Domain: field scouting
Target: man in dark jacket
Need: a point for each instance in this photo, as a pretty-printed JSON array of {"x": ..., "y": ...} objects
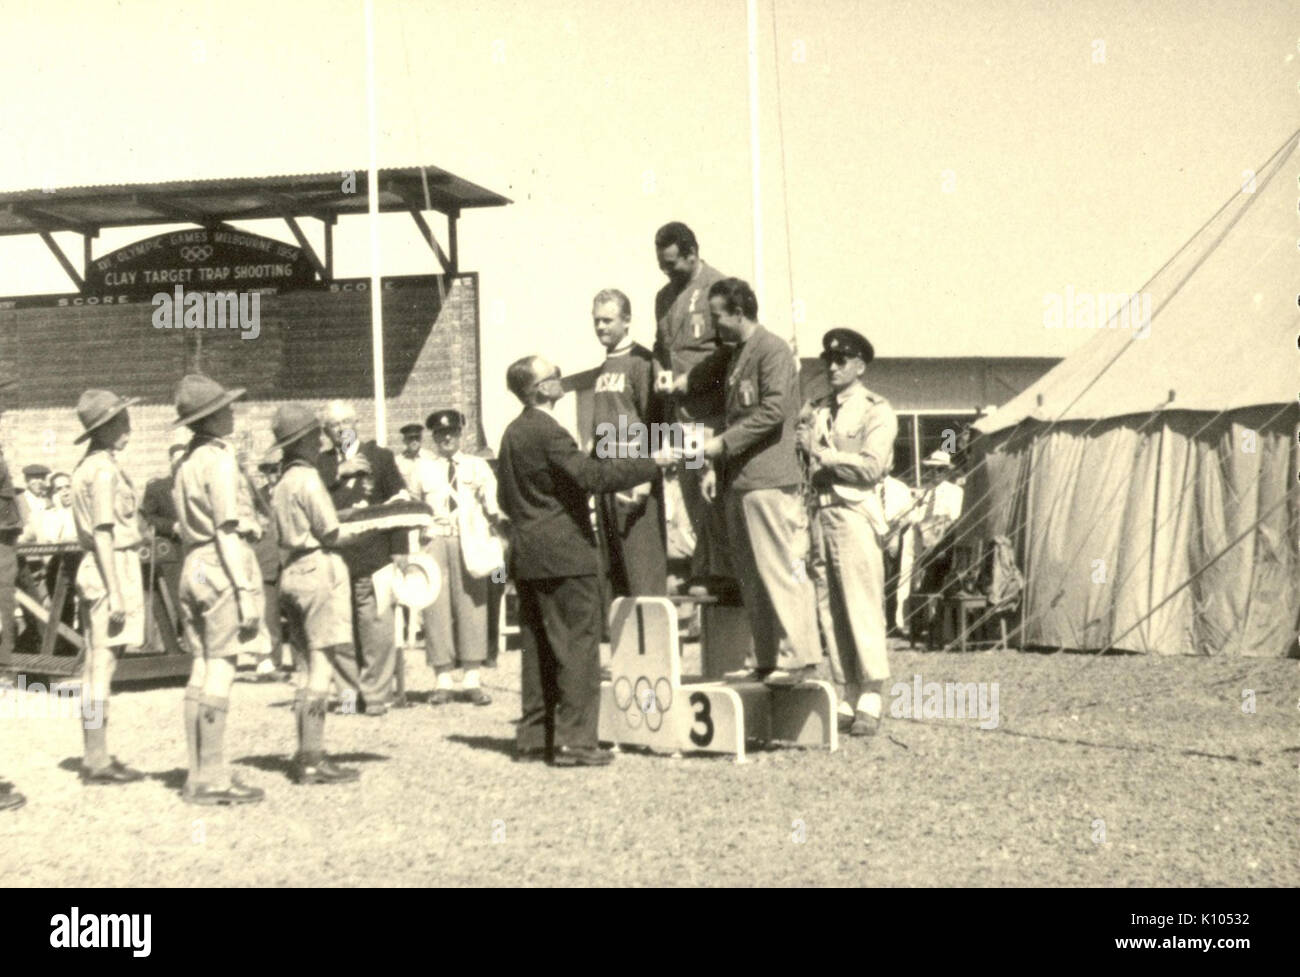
[
  {"x": 361, "y": 473},
  {"x": 544, "y": 485}
]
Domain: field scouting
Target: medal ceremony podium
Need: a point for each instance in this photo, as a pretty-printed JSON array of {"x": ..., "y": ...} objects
[{"x": 647, "y": 702}]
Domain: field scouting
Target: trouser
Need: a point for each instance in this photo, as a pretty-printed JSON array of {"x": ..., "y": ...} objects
[
  {"x": 712, "y": 556},
  {"x": 455, "y": 624},
  {"x": 559, "y": 620},
  {"x": 768, "y": 532},
  {"x": 369, "y": 671},
  {"x": 271, "y": 596},
  {"x": 632, "y": 544},
  {"x": 855, "y": 588},
  {"x": 8, "y": 581}
]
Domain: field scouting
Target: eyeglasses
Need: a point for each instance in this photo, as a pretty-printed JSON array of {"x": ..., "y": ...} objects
[{"x": 553, "y": 375}]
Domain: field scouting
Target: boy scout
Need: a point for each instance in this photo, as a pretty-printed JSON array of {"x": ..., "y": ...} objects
[
  {"x": 109, "y": 584},
  {"x": 314, "y": 591},
  {"x": 848, "y": 437},
  {"x": 221, "y": 586},
  {"x": 767, "y": 525}
]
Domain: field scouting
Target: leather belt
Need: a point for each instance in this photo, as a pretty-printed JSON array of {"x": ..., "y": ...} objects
[{"x": 299, "y": 554}]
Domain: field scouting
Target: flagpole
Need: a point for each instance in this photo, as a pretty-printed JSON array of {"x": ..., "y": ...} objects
[
  {"x": 372, "y": 194},
  {"x": 756, "y": 185}
]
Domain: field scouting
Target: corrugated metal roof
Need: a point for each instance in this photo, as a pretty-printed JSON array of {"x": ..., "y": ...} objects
[{"x": 323, "y": 195}]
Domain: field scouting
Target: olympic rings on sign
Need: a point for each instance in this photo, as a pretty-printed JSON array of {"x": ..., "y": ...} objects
[{"x": 196, "y": 252}]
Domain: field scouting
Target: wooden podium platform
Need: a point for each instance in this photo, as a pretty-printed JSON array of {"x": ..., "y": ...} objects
[{"x": 59, "y": 653}]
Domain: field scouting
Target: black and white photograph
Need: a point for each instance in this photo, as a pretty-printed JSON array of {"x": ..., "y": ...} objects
[{"x": 582, "y": 444}]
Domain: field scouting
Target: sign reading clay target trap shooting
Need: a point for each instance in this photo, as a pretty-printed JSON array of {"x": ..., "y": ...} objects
[
  {"x": 200, "y": 260},
  {"x": 646, "y": 703}
]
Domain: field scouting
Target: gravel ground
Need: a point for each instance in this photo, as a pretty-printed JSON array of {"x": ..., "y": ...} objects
[{"x": 1121, "y": 771}]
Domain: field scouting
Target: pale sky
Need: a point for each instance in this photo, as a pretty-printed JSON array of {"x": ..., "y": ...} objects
[{"x": 604, "y": 120}]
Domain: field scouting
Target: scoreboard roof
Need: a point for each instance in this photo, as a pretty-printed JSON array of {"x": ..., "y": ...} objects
[{"x": 86, "y": 210}]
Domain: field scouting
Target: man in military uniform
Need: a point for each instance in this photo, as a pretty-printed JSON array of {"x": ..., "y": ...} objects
[
  {"x": 110, "y": 587},
  {"x": 757, "y": 473},
  {"x": 462, "y": 492},
  {"x": 624, "y": 406},
  {"x": 848, "y": 439},
  {"x": 684, "y": 337}
]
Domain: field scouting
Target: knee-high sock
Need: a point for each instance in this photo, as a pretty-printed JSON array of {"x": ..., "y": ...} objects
[
  {"x": 95, "y": 730},
  {"x": 192, "y": 696},
  {"x": 311, "y": 743},
  {"x": 212, "y": 735}
]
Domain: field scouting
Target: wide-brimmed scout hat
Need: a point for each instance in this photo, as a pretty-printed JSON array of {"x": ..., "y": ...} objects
[
  {"x": 95, "y": 408},
  {"x": 292, "y": 422},
  {"x": 198, "y": 396}
]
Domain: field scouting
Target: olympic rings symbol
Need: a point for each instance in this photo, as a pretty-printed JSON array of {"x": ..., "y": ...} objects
[
  {"x": 196, "y": 252},
  {"x": 643, "y": 701}
]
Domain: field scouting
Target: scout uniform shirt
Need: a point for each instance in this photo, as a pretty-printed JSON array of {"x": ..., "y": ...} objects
[
  {"x": 761, "y": 390},
  {"x": 102, "y": 495},
  {"x": 207, "y": 495},
  {"x": 206, "y": 491},
  {"x": 304, "y": 514},
  {"x": 855, "y": 430}
]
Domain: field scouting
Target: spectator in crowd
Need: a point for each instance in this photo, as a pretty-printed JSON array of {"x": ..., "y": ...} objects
[{"x": 412, "y": 451}]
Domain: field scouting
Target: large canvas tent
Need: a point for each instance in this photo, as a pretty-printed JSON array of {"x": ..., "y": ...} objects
[{"x": 1148, "y": 483}]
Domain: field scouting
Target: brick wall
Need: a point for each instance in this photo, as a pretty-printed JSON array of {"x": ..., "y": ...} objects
[{"x": 314, "y": 345}]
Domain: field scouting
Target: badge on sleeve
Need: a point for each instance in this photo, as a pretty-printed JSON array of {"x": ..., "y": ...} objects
[{"x": 747, "y": 394}]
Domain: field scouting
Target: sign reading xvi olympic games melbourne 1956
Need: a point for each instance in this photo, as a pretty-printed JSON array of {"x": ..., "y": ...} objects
[{"x": 200, "y": 260}]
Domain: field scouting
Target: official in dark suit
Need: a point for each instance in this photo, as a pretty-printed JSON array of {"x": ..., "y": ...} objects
[
  {"x": 360, "y": 473},
  {"x": 544, "y": 484}
]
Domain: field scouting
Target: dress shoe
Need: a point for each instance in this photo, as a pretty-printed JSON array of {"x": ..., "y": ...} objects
[
  {"x": 791, "y": 676},
  {"x": 581, "y": 756},
  {"x": 323, "y": 772},
  {"x": 748, "y": 675},
  {"x": 11, "y": 800},
  {"x": 236, "y": 793},
  {"x": 114, "y": 772},
  {"x": 477, "y": 697},
  {"x": 864, "y": 725},
  {"x": 536, "y": 755},
  {"x": 440, "y": 697}
]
